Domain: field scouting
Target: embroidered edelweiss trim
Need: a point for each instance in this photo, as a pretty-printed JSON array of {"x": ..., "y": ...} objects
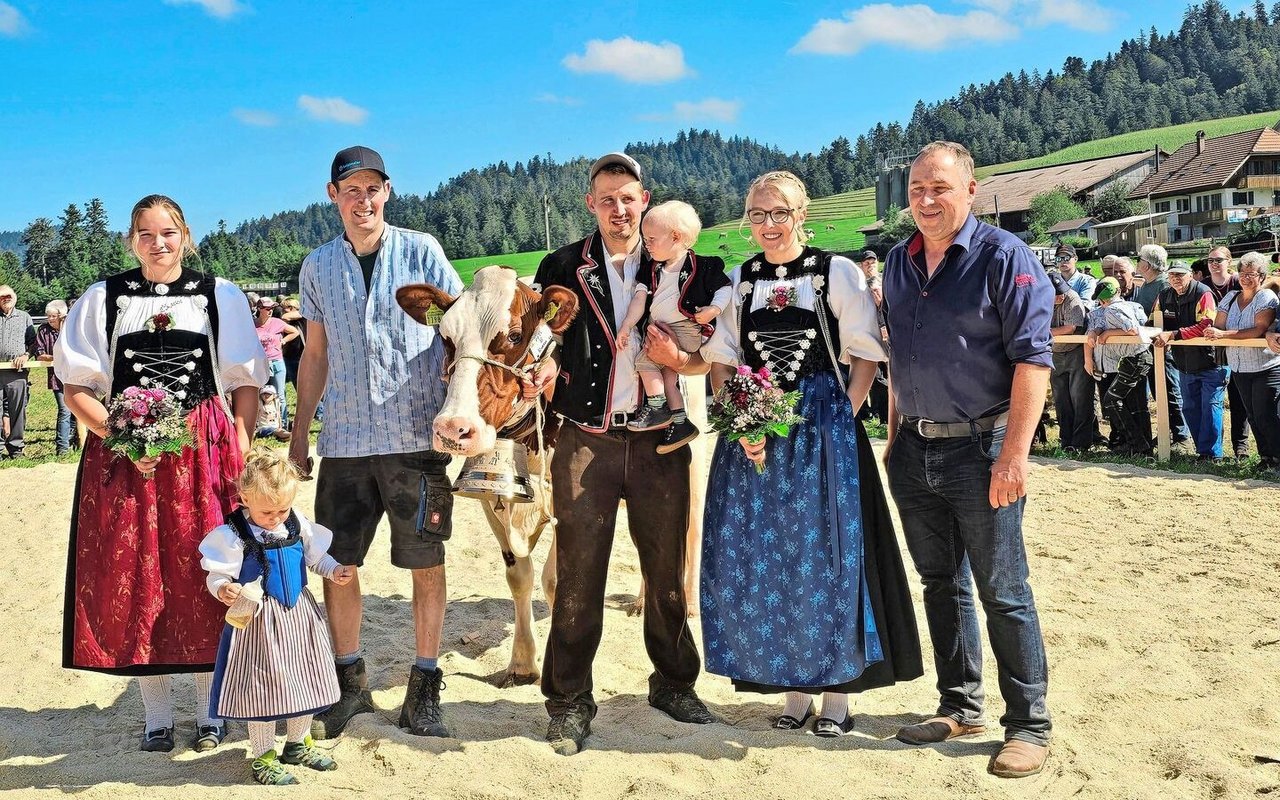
[
  {"x": 189, "y": 285},
  {"x": 133, "y": 285}
]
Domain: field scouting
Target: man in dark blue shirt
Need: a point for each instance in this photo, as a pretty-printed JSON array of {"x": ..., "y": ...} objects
[{"x": 968, "y": 309}]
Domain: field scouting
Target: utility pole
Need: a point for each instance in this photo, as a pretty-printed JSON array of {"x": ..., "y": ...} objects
[{"x": 546, "y": 217}]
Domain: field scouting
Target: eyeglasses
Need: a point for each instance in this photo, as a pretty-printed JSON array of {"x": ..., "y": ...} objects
[
  {"x": 778, "y": 215},
  {"x": 1216, "y": 260},
  {"x": 7, "y": 297},
  {"x": 1254, "y": 275}
]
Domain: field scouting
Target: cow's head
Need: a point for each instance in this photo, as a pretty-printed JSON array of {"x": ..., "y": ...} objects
[{"x": 499, "y": 319}]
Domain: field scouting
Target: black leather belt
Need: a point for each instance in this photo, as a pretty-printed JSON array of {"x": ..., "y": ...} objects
[{"x": 928, "y": 429}]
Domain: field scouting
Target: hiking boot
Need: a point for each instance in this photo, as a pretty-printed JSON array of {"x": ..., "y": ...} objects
[
  {"x": 649, "y": 418},
  {"x": 268, "y": 771},
  {"x": 680, "y": 704},
  {"x": 677, "y": 435},
  {"x": 421, "y": 714},
  {"x": 353, "y": 681},
  {"x": 306, "y": 754},
  {"x": 568, "y": 729}
]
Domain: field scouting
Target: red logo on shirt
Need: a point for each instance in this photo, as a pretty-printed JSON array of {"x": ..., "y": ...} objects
[{"x": 1023, "y": 279}]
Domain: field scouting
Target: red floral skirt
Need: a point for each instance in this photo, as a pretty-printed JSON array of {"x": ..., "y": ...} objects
[{"x": 136, "y": 602}]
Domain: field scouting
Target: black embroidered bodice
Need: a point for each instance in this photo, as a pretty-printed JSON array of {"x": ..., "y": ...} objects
[
  {"x": 780, "y": 335},
  {"x": 179, "y": 361}
]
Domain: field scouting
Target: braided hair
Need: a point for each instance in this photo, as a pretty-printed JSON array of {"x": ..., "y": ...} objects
[{"x": 268, "y": 474}]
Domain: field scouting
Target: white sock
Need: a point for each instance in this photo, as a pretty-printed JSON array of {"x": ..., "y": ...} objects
[
  {"x": 835, "y": 706},
  {"x": 157, "y": 700},
  {"x": 204, "y": 683},
  {"x": 797, "y": 704},
  {"x": 262, "y": 737},
  {"x": 297, "y": 728}
]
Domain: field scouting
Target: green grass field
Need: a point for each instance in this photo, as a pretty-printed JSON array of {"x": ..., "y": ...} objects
[
  {"x": 524, "y": 263},
  {"x": 1170, "y": 138}
]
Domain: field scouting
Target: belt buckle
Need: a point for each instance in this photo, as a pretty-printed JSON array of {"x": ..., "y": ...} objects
[
  {"x": 618, "y": 419},
  {"x": 920, "y": 423}
]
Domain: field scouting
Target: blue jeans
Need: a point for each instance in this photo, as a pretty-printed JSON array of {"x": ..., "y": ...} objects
[
  {"x": 1204, "y": 394},
  {"x": 1073, "y": 399},
  {"x": 957, "y": 539},
  {"x": 1178, "y": 431},
  {"x": 62, "y": 440},
  {"x": 275, "y": 374}
]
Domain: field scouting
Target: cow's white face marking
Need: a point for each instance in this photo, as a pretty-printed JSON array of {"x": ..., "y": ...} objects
[{"x": 480, "y": 313}]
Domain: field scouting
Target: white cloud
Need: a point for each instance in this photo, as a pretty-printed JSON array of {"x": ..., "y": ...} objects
[
  {"x": 998, "y": 6},
  {"x": 255, "y": 117},
  {"x": 222, "y": 9},
  {"x": 915, "y": 27},
  {"x": 1083, "y": 15},
  {"x": 632, "y": 61},
  {"x": 12, "y": 23},
  {"x": 332, "y": 109},
  {"x": 711, "y": 109},
  {"x": 557, "y": 100}
]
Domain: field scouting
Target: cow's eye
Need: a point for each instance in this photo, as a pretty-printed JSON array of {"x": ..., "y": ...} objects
[{"x": 514, "y": 337}]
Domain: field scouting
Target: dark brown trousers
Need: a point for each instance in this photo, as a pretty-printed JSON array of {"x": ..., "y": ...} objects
[{"x": 590, "y": 475}]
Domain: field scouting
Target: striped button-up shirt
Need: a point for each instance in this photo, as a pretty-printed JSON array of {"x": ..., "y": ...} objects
[{"x": 384, "y": 386}]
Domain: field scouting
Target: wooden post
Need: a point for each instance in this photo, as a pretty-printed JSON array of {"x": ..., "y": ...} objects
[{"x": 1162, "y": 405}]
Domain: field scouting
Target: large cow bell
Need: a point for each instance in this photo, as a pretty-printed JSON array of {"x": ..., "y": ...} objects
[{"x": 500, "y": 474}]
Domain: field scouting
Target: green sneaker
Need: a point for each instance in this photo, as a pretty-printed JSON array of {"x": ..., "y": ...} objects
[
  {"x": 308, "y": 755},
  {"x": 268, "y": 771}
]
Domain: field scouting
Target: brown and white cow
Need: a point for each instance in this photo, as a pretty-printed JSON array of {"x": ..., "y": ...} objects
[{"x": 498, "y": 320}]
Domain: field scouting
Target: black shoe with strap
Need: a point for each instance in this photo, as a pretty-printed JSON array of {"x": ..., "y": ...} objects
[
  {"x": 681, "y": 704},
  {"x": 209, "y": 737},
  {"x": 569, "y": 729},
  {"x": 159, "y": 740},
  {"x": 421, "y": 714},
  {"x": 353, "y": 682}
]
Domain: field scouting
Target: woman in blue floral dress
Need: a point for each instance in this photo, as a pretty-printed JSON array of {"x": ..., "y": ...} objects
[{"x": 803, "y": 588}]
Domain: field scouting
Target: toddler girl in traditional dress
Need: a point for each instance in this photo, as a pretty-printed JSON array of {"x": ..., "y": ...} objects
[{"x": 280, "y": 664}]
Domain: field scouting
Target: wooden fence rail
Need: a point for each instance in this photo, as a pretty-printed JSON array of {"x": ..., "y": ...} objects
[{"x": 1163, "y": 436}]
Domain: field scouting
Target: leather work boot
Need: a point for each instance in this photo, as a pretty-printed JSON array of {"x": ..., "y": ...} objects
[
  {"x": 353, "y": 681},
  {"x": 1018, "y": 759},
  {"x": 421, "y": 714},
  {"x": 681, "y": 704}
]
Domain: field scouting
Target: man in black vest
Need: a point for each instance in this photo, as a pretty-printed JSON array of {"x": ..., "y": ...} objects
[{"x": 598, "y": 462}]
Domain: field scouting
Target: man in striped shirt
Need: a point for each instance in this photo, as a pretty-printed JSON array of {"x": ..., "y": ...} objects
[{"x": 379, "y": 372}]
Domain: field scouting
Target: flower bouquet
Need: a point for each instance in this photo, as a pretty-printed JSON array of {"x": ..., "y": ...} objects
[
  {"x": 749, "y": 405},
  {"x": 146, "y": 423}
]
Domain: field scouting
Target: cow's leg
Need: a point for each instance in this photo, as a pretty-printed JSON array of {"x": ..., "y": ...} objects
[
  {"x": 523, "y": 667},
  {"x": 696, "y": 404}
]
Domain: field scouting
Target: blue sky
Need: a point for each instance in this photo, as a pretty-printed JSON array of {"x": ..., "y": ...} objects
[{"x": 236, "y": 107}]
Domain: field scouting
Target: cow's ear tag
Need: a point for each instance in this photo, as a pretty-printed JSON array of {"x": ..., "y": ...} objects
[
  {"x": 552, "y": 310},
  {"x": 432, "y": 315}
]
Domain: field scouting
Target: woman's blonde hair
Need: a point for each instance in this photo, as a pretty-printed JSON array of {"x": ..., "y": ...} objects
[
  {"x": 175, "y": 211},
  {"x": 269, "y": 475},
  {"x": 792, "y": 191},
  {"x": 678, "y": 215}
]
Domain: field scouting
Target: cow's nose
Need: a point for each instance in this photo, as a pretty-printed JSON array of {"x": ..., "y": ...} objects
[{"x": 455, "y": 429}]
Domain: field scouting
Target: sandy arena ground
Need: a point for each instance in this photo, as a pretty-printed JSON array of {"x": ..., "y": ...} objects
[{"x": 1157, "y": 593}]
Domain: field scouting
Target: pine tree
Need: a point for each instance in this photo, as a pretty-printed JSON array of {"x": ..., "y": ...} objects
[{"x": 39, "y": 239}]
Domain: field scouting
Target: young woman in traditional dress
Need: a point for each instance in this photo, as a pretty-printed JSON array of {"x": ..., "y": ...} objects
[
  {"x": 803, "y": 588},
  {"x": 135, "y": 598}
]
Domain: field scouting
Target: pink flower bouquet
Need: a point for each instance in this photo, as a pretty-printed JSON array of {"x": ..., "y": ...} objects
[
  {"x": 146, "y": 423},
  {"x": 749, "y": 405}
]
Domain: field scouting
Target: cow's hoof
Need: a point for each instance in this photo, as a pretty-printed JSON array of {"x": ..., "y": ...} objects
[{"x": 513, "y": 679}]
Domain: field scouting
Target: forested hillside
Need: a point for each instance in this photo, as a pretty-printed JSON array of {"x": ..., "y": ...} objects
[{"x": 1214, "y": 65}]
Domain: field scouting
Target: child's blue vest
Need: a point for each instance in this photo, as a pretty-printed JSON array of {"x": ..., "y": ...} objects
[{"x": 287, "y": 573}]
